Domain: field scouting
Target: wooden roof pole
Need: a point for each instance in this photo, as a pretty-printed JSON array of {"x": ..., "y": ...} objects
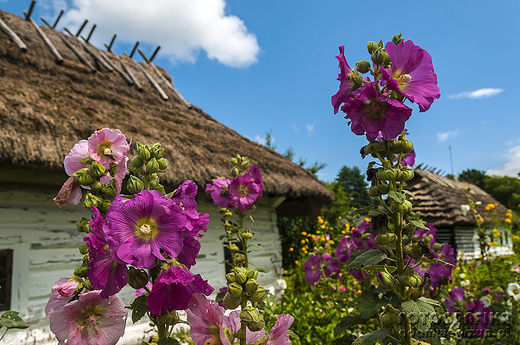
[
  {"x": 14, "y": 37},
  {"x": 46, "y": 40}
]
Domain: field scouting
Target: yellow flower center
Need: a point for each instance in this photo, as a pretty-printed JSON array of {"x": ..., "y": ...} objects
[
  {"x": 88, "y": 320},
  {"x": 243, "y": 190},
  {"x": 374, "y": 109},
  {"x": 146, "y": 228},
  {"x": 404, "y": 78}
]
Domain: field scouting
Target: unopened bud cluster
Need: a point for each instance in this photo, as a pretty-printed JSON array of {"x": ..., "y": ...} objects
[
  {"x": 148, "y": 162},
  {"x": 240, "y": 164}
]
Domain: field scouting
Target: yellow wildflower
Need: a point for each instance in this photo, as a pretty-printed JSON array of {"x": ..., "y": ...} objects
[
  {"x": 480, "y": 255},
  {"x": 458, "y": 268},
  {"x": 304, "y": 233},
  {"x": 359, "y": 292},
  {"x": 331, "y": 242},
  {"x": 340, "y": 218},
  {"x": 343, "y": 232},
  {"x": 320, "y": 220},
  {"x": 318, "y": 231},
  {"x": 291, "y": 249},
  {"x": 296, "y": 262},
  {"x": 302, "y": 241},
  {"x": 285, "y": 272},
  {"x": 499, "y": 234},
  {"x": 507, "y": 220},
  {"x": 347, "y": 226},
  {"x": 367, "y": 220},
  {"x": 516, "y": 238},
  {"x": 495, "y": 230}
]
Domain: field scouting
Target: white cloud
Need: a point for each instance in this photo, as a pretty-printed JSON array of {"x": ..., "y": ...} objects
[
  {"x": 182, "y": 28},
  {"x": 480, "y": 93},
  {"x": 511, "y": 167},
  {"x": 446, "y": 135},
  {"x": 295, "y": 128},
  {"x": 261, "y": 140},
  {"x": 310, "y": 128}
]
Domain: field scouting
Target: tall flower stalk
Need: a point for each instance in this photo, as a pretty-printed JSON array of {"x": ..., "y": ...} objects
[{"x": 375, "y": 107}]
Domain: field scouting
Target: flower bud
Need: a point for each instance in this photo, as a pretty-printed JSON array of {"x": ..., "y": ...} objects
[
  {"x": 256, "y": 326},
  {"x": 356, "y": 78},
  {"x": 83, "y": 225},
  {"x": 81, "y": 271},
  {"x": 231, "y": 278},
  {"x": 373, "y": 191},
  {"x": 235, "y": 172},
  {"x": 437, "y": 246},
  {"x": 410, "y": 280},
  {"x": 163, "y": 163},
  {"x": 389, "y": 317},
  {"x": 382, "y": 239},
  {"x": 234, "y": 161},
  {"x": 87, "y": 285},
  {"x": 372, "y": 47},
  {"x": 251, "y": 285},
  {"x": 91, "y": 200},
  {"x": 231, "y": 302},
  {"x": 137, "y": 278},
  {"x": 413, "y": 250},
  {"x": 416, "y": 292},
  {"x": 247, "y": 235},
  {"x": 378, "y": 57},
  {"x": 96, "y": 186},
  {"x": 83, "y": 249},
  {"x": 97, "y": 169},
  {"x": 108, "y": 190},
  {"x": 168, "y": 318},
  {"x": 241, "y": 277},
  {"x": 383, "y": 188},
  {"x": 145, "y": 154},
  {"x": 158, "y": 154},
  {"x": 134, "y": 184},
  {"x": 105, "y": 204},
  {"x": 387, "y": 281},
  {"x": 363, "y": 66},
  {"x": 84, "y": 177},
  {"x": 259, "y": 295},
  {"x": 250, "y": 315},
  {"x": 397, "y": 38},
  {"x": 235, "y": 289},
  {"x": 252, "y": 274},
  {"x": 137, "y": 162},
  {"x": 152, "y": 166}
]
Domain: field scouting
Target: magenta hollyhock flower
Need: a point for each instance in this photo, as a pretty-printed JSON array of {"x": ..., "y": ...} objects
[
  {"x": 346, "y": 85},
  {"x": 312, "y": 269},
  {"x": 70, "y": 193},
  {"x": 371, "y": 112},
  {"x": 219, "y": 192},
  {"x": 280, "y": 332},
  {"x": 142, "y": 227},
  {"x": 108, "y": 146},
  {"x": 142, "y": 291},
  {"x": 331, "y": 265},
  {"x": 422, "y": 233},
  {"x": 245, "y": 190},
  {"x": 61, "y": 293},
  {"x": 479, "y": 316},
  {"x": 90, "y": 320},
  {"x": 456, "y": 295},
  {"x": 344, "y": 250},
  {"x": 173, "y": 290},
  {"x": 412, "y": 73},
  {"x": 206, "y": 317},
  {"x": 409, "y": 159},
  {"x": 437, "y": 272}
]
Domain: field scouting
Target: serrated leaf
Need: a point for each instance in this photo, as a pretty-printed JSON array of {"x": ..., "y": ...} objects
[
  {"x": 372, "y": 337},
  {"x": 11, "y": 320},
  {"x": 396, "y": 196},
  {"x": 375, "y": 269},
  {"x": 371, "y": 300},
  {"x": 436, "y": 261},
  {"x": 420, "y": 312},
  {"x": 408, "y": 194},
  {"x": 139, "y": 308},
  {"x": 370, "y": 257},
  {"x": 419, "y": 224}
]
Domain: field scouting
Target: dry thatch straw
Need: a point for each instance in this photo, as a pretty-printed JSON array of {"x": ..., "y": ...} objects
[{"x": 45, "y": 108}]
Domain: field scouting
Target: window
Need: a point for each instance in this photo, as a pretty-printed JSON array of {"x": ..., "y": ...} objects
[
  {"x": 227, "y": 256},
  {"x": 6, "y": 270}
]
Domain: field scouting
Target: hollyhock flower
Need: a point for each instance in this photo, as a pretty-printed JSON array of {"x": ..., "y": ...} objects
[
  {"x": 437, "y": 272},
  {"x": 70, "y": 193},
  {"x": 72, "y": 161},
  {"x": 173, "y": 290},
  {"x": 61, "y": 293},
  {"x": 344, "y": 249},
  {"x": 409, "y": 159},
  {"x": 479, "y": 316},
  {"x": 108, "y": 146},
  {"x": 142, "y": 291},
  {"x": 346, "y": 84},
  {"x": 513, "y": 289},
  {"x": 312, "y": 269},
  {"x": 280, "y": 332},
  {"x": 219, "y": 192},
  {"x": 456, "y": 295},
  {"x": 516, "y": 268},
  {"x": 371, "y": 112},
  {"x": 245, "y": 190},
  {"x": 412, "y": 73},
  {"x": 144, "y": 226},
  {"x": 90, "y": 320},
  {"x": 421, "y": 234},
  {"x": 331, "y": 265}
]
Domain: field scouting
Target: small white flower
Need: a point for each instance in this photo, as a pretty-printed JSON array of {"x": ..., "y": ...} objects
[
  {"x": 487, "y": 300},
  {"x": 476, "y": 237},
  {"x": 380, "y": 296},
  {"x": 282, "y": 284},
  {"x": 513, "y": 289},
  {"x": 464, "y": 283},
  {"x": 478, "y": 203},
  {"x": 465, "y": 209},
  {"x": 462, "y": 276}
]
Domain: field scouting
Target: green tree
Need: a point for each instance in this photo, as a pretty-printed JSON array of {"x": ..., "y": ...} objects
[
  {"x": 505, "y": 189},
  {"x": 474, "y": 176}
]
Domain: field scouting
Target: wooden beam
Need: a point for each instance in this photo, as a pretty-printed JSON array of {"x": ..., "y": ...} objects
[
  {"x": 28, "y": 14},
  {"x": 131, "y": 74},
  {"x": 117, "y": 69},
  {"x": 14, "y": 37},
  {"x": 81, "y": 27},
  {"x": 109, "y": 47},
  {"x": 46, "y": 40},
  {"x": 90, "y": 33},
  {"x": 88, "y": 49},
  {"x": 57, "y": 19},
  {"x": 155, "y": 53},
  {"x": 133, "y": 50},
  {"x": 164, "y": 96},
  {"x": 77, "y": 53}
]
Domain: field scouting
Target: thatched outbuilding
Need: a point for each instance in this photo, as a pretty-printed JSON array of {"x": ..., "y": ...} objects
[
  {"x": 439, "y": 200},
  {"x": 46, "y": 107}
]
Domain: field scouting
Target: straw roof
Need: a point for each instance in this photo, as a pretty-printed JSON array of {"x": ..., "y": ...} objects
[
  {"x": 439, "y": 199},
  {"x": 45, "y": 108}
]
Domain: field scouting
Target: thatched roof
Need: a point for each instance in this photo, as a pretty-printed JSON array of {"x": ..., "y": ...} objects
[
  {"x": 439, "y": 199},
  {"x": 45, "y": 108}
]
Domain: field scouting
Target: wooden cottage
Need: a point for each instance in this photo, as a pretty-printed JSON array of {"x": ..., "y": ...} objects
[
  {"x": 46, "y": 107},
  {"x": 439, "y": 200}
]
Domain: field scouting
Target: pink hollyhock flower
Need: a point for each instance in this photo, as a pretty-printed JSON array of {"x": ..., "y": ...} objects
[
  {"x": 346, "y": 85},
  {"x": 173, "y": 290},
  {"x": 70, "y": 193},
  {"x": 312, "y": 268},
  {"x": 371, "y": 112},
  {"x": 280, "y": 332},
  {"x": 409, "y": 159},
  {"x": 62, "y": 292},
  {"x": 72, "y": 162},
  {"x": 142, "y": 227},
  {"x": 245, "y": 190},
  {"x": 412, "y": 73},
  {"x": 219, "y": 192},
  {"x": 90, "y": 320},
  {"x": 108, "y": 146}
]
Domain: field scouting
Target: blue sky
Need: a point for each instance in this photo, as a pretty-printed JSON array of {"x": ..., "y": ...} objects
[{"x": 259, "y": 66}]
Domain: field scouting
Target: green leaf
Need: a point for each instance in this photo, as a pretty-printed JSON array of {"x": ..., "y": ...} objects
[
  {"x": 372, "y": 337},
  {"x": 364, "y": 209},
  {"x": 436, "y": 261},
  {"x": 375, "y": 269},
  {"x": 420, "y": 312},
  {"x": 168, "y": 341},
  {"x": 370, "y": 257},
  {"x": 419, "y": 224},
  {"x": 396, "y": 196},
  {"x": 408, "y": 194},
  {"x": 11, "y": 319},
  {"x": 348, "y": 322},
  {"x": 139, "y": 308},
  {"x": 261, "y": 269},
  {"x": 371, "y": 300}
]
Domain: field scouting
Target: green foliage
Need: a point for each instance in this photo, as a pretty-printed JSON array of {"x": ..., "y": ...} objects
[
  {"x": 473, "y": 176},
  {"x": 11, "y": 320},
  {"x": 291, "y": 235}
]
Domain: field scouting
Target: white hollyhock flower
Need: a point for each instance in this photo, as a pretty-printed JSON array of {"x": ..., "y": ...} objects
[{"x": 513, "y": 289}]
